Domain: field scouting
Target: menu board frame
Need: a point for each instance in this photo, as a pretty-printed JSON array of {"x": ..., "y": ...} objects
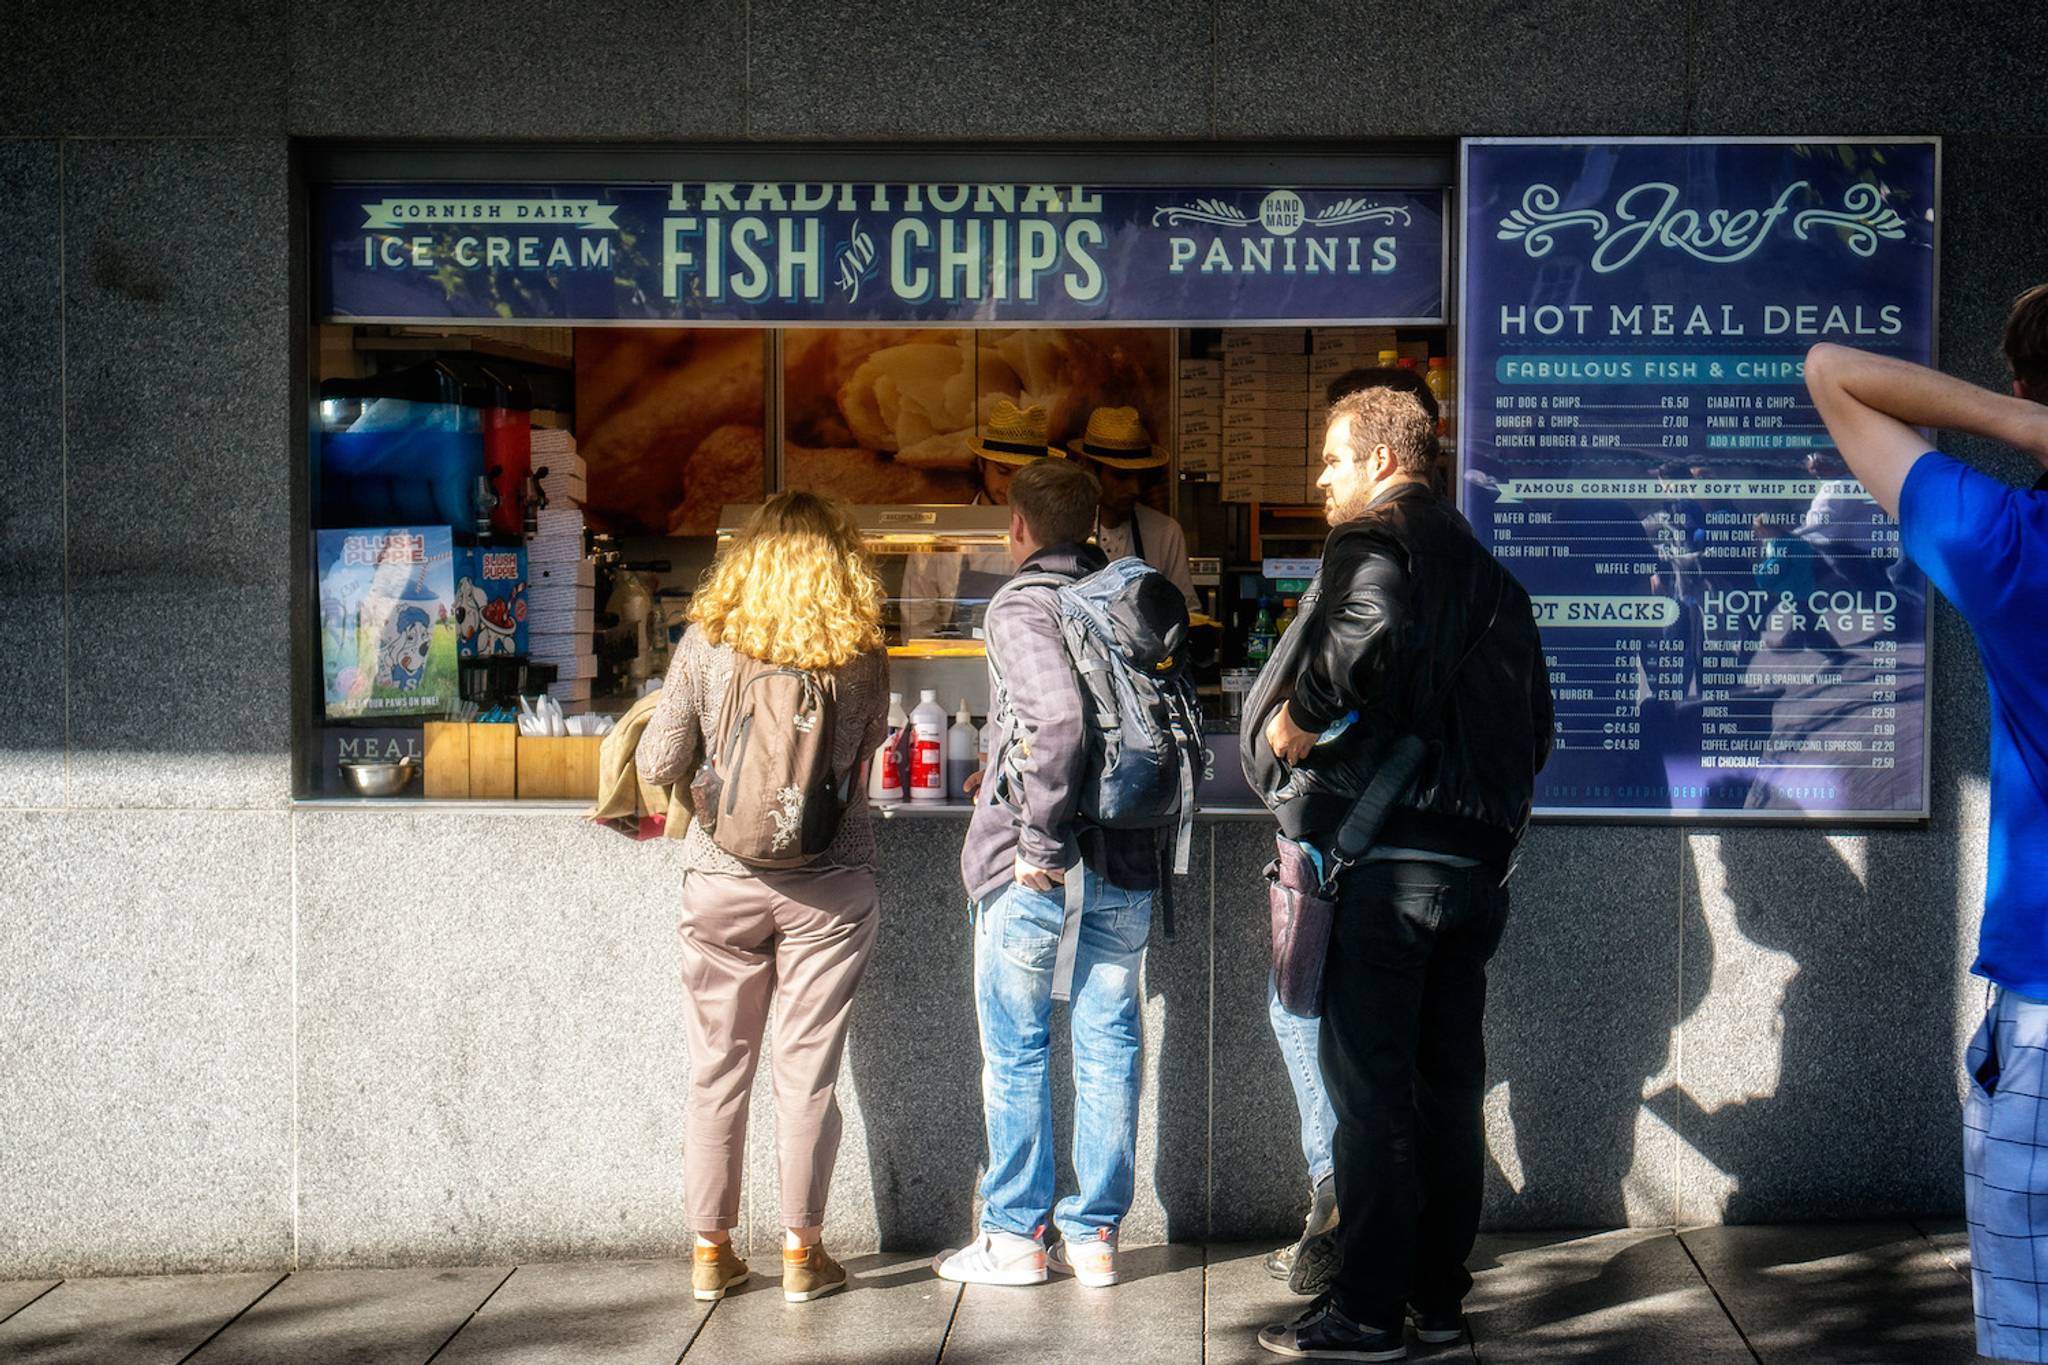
[{"x": 1467, "y": 332}]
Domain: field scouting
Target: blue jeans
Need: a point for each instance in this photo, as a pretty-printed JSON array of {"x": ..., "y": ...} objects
[
  {"x": 1300, "y": 1039},
  {"x": 1016, "y": 943}
]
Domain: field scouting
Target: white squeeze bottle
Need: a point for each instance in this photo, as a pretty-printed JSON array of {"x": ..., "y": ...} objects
[
  {"x": 885, "y": 771},
  {"x": 961, "y": 742},
  {"x": 928, "y": 748}
]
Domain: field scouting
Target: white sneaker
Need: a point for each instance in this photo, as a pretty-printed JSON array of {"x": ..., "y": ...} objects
[
  {"x": 994, "y": 1258},
  {"x": 1092, "y": 1262}
]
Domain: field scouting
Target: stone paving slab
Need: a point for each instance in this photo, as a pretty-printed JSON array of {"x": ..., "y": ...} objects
[
  {"x": 1629, "y": 1296},
  {"x": 1862, "y": 1292},
  {"x": 894, "y": 1311},
  {"x": 356, "y": 1317},
  {"x": 1153, "y": 1315},
  {"x": 153, "y": 1320},
  {"x": 18, "y": 1294},
  {"x": 584, "y": 1313}
]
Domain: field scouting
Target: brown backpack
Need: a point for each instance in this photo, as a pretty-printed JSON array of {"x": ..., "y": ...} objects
[{"x": 766, "y": 792}]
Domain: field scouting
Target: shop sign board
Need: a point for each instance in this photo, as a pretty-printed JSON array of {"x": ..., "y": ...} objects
[
  {"x": 1730, "y": 628},
  {"x": 864, "y": 254}
]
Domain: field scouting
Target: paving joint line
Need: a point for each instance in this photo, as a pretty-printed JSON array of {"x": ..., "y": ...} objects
[
  {"x": 946, "y": 1337},
  {"x": 1726, "y": 1312},
  {"x": 292, "y": 856},
  {"x": 1928, "y": 1237},
  {"x": 64, "y": 467},
  {"x": 461, "y": 1326},
  {"x": 47, "y": 1289},
  {"x": 215, "y": 1333},
  {"x": 702, "y": 1322}
]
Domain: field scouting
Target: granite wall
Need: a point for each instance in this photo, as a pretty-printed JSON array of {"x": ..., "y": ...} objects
[{"x": 234, "y": 1033}]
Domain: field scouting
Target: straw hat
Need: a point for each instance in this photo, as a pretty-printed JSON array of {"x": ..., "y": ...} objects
[
  {"x": 1014, "y": 435},
  {"x": 1116, "y": 437}
]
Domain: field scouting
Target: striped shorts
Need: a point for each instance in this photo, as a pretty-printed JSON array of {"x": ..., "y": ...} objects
[{"x": 2005, "y": 1177}]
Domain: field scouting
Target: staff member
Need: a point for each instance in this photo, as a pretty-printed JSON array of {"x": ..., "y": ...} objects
[
  {"x": 936, "y": 586},
  {"x": 1120, "y": 453}
]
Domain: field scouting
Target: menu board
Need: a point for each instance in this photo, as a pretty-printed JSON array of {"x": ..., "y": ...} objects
[{"x": 1728, "y": 623}]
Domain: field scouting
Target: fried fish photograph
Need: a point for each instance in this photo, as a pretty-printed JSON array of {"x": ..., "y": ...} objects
[
  {"x": 885, "y": 415},
  {"x": 672, "y": 420}
]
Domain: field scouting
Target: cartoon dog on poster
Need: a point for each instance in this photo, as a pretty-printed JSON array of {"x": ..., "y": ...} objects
[
  {"x": 402, "y": 649},
  {"x": 485, "y": 624}
]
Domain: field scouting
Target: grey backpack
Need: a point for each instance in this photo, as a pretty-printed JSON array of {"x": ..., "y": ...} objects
[{"x": 1125, "y": 630}]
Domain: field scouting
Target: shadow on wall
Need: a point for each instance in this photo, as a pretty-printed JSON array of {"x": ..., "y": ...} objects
[
  {"x": 1811, "y": 1073},
  {"x": 913, "y": 1058},
  {"x": 1843, "y": 948},
  {"x": 1579, "y": 1013}
]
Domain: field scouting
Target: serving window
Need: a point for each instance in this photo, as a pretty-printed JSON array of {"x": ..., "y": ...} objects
[{"x": 537, "y": 405}]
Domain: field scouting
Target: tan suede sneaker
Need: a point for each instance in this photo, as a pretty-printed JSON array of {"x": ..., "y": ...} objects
[
  {"x": 715, "y": 1269},
  {"x": 810, "y": 1274}
]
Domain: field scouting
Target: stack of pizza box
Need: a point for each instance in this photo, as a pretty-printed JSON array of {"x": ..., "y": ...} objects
[
  {"x": 562, "y": 578},
  {"x": 1201, "y": 417},
  {"x": 1265, "y": 415}
]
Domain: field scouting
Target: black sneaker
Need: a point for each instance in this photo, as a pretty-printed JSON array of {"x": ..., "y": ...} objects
[
  {"x": 1316, "y": 1256},
  {"x": 1436, "y": 1329},
  {"x": 1324, "y": 1333}
]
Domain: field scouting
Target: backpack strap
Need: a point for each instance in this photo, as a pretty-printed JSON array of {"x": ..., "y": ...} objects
[
  {"x": 1165, "y": 892},
  {"x": 1184, "y": 826},
  {"x": 1001, "y": 714},
  {"x": 1184, "y": 832}
]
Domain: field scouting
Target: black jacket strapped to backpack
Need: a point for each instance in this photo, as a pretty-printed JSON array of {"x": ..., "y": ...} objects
[{"x": 1413, "y": 625}]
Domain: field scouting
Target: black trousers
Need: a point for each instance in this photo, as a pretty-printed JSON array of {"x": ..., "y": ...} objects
[{"x": 1404, "y": 1056}]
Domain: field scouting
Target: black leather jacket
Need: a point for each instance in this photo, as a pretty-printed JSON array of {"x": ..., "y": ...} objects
[{"x": 1405, "y": 591}]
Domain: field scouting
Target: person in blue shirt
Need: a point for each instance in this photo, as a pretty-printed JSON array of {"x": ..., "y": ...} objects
[{"x": 1984, "y": 546}]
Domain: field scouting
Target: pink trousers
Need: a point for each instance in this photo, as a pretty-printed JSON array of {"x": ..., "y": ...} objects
[{"x": 797, "y": 941}]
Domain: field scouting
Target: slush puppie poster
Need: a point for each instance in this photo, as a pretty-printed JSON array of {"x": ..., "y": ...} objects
[{"x": 387, "y": 628}]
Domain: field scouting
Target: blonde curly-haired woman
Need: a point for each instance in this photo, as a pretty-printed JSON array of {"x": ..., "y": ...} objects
[{"x": 794, "y": 588}]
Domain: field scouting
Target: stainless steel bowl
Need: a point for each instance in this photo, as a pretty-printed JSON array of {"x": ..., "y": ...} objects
[{"x": 367, "y": 778}]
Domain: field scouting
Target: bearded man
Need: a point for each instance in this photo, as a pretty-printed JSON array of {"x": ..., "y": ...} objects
[{"x": 1416, "y": 650}]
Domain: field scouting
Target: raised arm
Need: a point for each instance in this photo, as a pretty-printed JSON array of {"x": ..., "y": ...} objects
[{"x": 1872, "y": 403}]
